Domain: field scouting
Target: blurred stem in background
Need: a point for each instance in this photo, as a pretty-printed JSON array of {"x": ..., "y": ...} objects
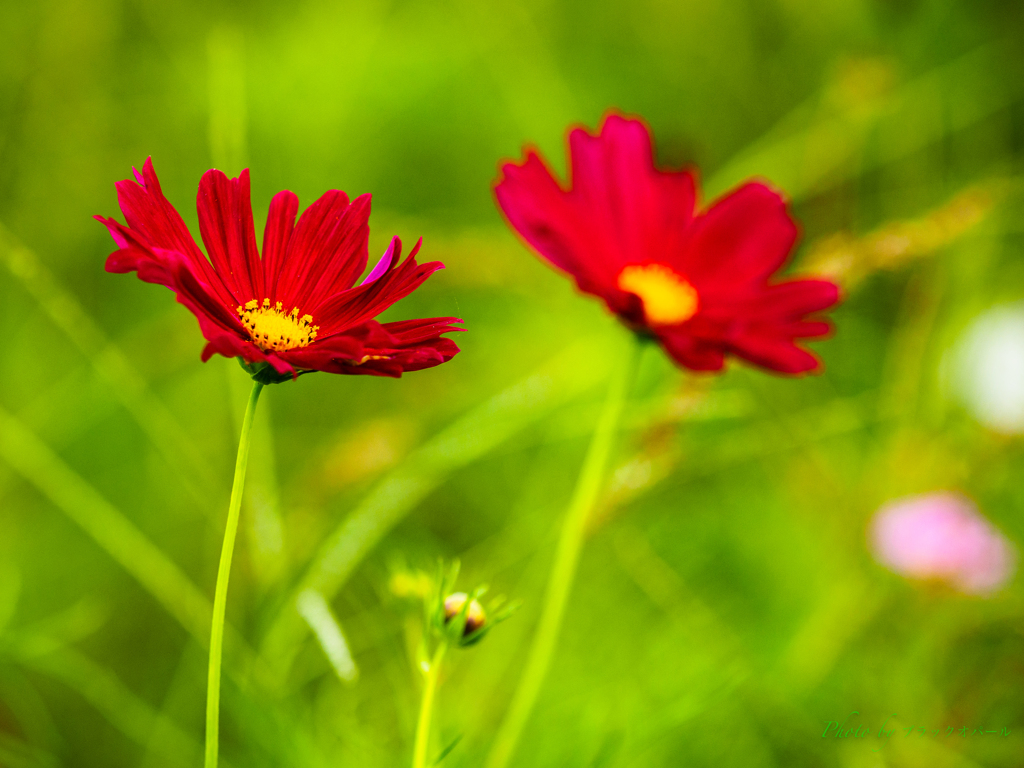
[
  {"x": 419, "y": 755},
  {"x": 227, "y": 135},
  {"x": 223, "y": 573},
  {"x": 570, "y": 542}
]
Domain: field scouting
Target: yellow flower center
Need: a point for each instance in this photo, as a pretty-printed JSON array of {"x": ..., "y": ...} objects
[
  {"x": 668, "y": 298},
  {"x": 271, "y": 329}
]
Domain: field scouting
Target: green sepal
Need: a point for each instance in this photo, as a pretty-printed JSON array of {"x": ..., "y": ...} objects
[
  {"x": 644, "y": 335},
  {"x": 264, "y": 373},
  {"x": 495, "y": 615}
]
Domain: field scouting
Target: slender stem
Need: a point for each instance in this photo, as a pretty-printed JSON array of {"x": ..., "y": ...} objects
[
  {"x": 220, "y": 599},
  {"x": 419, "y": 754},
  {"x": 588, "y": 486}
]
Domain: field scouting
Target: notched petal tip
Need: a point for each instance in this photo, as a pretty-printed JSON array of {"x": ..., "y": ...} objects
[
  {"x": 149, "y": 181},
  {"x": 628, "y": 130},
  {"x": 416, "y": 249},
  {"x": 530, "y": 169},
  {"x": 210, "y": 177},
  {"x": 114, "y": 228}
]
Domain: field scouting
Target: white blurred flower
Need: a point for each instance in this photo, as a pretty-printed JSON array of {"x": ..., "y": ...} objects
[
  {"x": 987, "y": 369},
  {"x": 942, "y": 536}
]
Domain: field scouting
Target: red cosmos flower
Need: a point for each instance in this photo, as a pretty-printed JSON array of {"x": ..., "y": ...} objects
[
  {"x": 295, "y": 308},
  {"x": 699, "y": 282}
]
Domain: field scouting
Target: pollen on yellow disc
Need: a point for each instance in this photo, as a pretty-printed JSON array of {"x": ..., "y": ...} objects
[
  {"x": 668, "y": 298},
  {"x": 273, "y": 329}
]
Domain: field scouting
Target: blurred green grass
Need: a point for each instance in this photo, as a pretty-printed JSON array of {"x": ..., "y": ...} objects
[{"x": 726, "y": 608}]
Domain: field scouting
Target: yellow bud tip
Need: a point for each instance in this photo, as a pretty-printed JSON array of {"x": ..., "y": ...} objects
[{"x": 475, "y": 616}]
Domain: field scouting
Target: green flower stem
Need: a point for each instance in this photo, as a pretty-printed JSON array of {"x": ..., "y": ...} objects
[
  {"x": 419, "y": 754},
  {"x": 220, "y": 599},
  {"x": 570, "y": 542}
]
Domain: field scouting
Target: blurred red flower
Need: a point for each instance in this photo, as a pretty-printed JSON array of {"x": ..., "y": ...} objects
[
  {"x": 294, "y": 308},
  {"x": 699, "y": 282}
]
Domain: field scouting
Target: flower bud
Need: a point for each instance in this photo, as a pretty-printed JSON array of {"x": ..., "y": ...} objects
[{"x": 475, "y": 616}]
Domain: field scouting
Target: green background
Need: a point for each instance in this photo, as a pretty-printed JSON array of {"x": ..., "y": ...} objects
[{"x": 726, "y": 608}]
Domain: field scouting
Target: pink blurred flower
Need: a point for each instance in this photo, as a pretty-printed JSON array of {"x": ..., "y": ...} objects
[{"x": 942, "y": 536}]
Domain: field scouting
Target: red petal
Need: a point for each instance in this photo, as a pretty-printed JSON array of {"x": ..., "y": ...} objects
[
  {"x": 326, "y": 354},
  {"x": 539, "y": 210},
  {"x": 640, "y": 212},
  {"x": 229, "y": 345},
  {"x": 379, "y": 350},
  {"x": 142, "y": 262},
  {"x": 779, "y": 355},
  {"x": 691, "y": 352},
  {"x": 225, "y": 222},
  {"x": 416, "y": 358},
  {"x": 134, "y": 255},
  {"x": 214, "y": 318},
  {"x": 412, "y": 331},
  {"x": 761, "y": 329},
  {"x": 355, "y": 306},
  {"x": 388, "y": 260},
  {"x": 796, "y": 298},
  {"x": 156, "y": 226},
  {"x": 742, "y": 238},
  {"x": 276, "y": 235},
  {"x": 327, "y": 251},
  {"x": 346, "y": 254},
  {"x": 804, "y": 329},
  {"x": 148, "y": 212}
]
